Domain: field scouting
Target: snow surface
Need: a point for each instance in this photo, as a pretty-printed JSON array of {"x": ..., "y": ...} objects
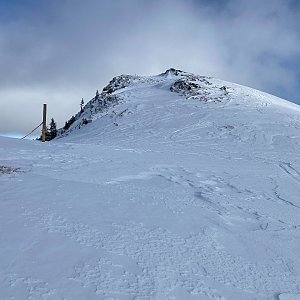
[{"x": 183, "y": 194}]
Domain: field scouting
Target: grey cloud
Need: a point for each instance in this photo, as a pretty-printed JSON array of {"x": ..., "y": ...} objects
[{"x": 61, "y": 51}]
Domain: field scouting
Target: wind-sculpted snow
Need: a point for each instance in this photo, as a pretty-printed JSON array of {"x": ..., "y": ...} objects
[{"x": 181, "y": 187}]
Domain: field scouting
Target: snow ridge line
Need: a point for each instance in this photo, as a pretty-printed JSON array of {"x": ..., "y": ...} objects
[{"x": 291, "y": 171}]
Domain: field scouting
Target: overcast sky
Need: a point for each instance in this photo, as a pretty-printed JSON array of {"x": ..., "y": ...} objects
[{"x": 58, "y": 51}]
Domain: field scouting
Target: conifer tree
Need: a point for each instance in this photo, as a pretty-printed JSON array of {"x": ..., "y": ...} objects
[
  {"x": 69, "y": 123},
  {"x": 52, "y": 130},
  {"x": 97, "y": 95},
  {"x": 81, "y": 105}
]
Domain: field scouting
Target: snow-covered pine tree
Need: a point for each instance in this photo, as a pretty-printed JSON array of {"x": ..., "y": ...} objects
[
  {"x": 52, "y": 130},
  {"x": 69, "y": 123},
  {"x": 97, "y": 95},
  {"x": 81, "y": 105}
]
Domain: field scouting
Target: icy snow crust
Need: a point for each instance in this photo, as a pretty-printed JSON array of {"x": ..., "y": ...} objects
[{"x": 179, "y": 188}]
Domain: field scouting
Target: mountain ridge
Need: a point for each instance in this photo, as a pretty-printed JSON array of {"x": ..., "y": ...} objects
[
  {"x": 185, "y": 194},
  {"x": 118, "y": 98}
]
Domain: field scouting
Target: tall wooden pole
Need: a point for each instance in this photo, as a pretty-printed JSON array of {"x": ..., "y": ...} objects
[{"x": 44, "y": 128}]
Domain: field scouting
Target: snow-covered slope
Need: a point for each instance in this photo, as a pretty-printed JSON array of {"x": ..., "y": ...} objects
[{"x": 173, "y": 186}]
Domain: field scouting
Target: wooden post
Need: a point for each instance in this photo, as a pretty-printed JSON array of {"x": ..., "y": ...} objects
[{"x": 44, "y": 128}]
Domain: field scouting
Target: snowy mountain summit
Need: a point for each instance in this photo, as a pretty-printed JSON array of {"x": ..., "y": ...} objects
[
  {"x": 177, "y": 103},
  {"x": 121, "y": 88},
  {"x": 175, "y": 186}
]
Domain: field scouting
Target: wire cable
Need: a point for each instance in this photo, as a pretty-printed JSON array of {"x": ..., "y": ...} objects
[{"x": 31, "y": 131}]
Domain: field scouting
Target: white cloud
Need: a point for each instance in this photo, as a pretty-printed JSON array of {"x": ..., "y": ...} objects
[{"x": 65, "y": 50}]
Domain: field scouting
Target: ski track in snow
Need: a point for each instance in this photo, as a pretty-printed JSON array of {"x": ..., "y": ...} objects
[{"x": 290, "y": 171}]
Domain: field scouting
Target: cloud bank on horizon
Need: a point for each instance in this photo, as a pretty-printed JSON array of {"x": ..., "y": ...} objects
[{"x": 60, "y": 51}]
